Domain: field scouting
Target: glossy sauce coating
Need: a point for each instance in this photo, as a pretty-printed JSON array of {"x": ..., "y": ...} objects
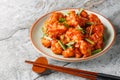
[{"x": 73, "y": 35}]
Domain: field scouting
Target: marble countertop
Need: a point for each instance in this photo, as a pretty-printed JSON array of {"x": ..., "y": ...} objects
[{"x": 16, "y": 18}]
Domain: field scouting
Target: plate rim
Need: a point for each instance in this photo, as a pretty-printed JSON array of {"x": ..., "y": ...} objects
[{"x": 76, "y": 59}]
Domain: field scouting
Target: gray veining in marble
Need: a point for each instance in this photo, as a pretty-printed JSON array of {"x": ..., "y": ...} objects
[{"x": 16, "y": 18}]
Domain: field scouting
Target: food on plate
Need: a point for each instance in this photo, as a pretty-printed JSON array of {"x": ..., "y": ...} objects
[{"x": 73, "y": 34}]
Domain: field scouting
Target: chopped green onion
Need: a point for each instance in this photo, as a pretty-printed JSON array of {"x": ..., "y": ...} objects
[
  {"x": 44, "y": 34},
  {"x": 61, "y": 20},
  {"x": 89, "y": 23},
  {"x": 96, "y": 51},
  {"x": 41, "y": 30},
  {"x": 66, "y": 13},
  {"x": 80, "y": 10},
  {"x": 81, "y": 29},
  {"x": 66, "y": 25},
  {"x": 62, "y": 45},
  {"x": 48, "y": 38},
  {"x": 70, "y": 44},
  {"x": 90, "y": 31},
  {"x": 88, "y": 40}
]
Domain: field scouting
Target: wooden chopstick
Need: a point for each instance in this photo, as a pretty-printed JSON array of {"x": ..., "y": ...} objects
[{"x": 80, "y": 73}]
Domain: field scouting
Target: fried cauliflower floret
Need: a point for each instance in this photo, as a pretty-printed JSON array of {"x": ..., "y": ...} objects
[
  {"x": 72, "y": 19},
  {"x": 78, "y": 54},
  {"x": 56, "y": 48},
  {"x": 74, "y": 34},
  {"x": 56, "y": 30},
  {"x": 69, "y": 52},
  {"x": 93, "y": 18},
  {"x": 55, "y": 17},
  {"x": 85, "y": 48},
  {"x": 84, "y": 14},
  {"x": 45, "y": 42}
]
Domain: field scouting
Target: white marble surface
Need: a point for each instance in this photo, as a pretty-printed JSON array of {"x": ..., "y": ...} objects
[{"x": 16, "y": 18}]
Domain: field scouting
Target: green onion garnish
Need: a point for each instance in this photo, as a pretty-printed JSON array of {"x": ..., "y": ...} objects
[
  {"x": 46, "y": 37},
  {"x": 70, "y": 44},
  {"x": 81, "y": 29},
  {"x": 44, "y": 34},
  {"x": 62, "y": 45},
  {"x": 89, "y": 23},
  {"x": 96, "y": 51},
  {"x": 66, "y": 13},
  {"x": 80, "y": 10},
  {"x": 90, "y": 41},
  {"x": 61, "y": 20},
  {"x": 90, "y": 31},
  {"x": 42, "y": 31},
  {"x": 66, "y": 25}
]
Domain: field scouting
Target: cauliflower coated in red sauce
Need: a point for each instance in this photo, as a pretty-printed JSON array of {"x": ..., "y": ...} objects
[{"x": 73, "y": 35}]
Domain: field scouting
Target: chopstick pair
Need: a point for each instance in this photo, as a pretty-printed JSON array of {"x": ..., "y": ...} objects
[{"x": 76, "y": 72}]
